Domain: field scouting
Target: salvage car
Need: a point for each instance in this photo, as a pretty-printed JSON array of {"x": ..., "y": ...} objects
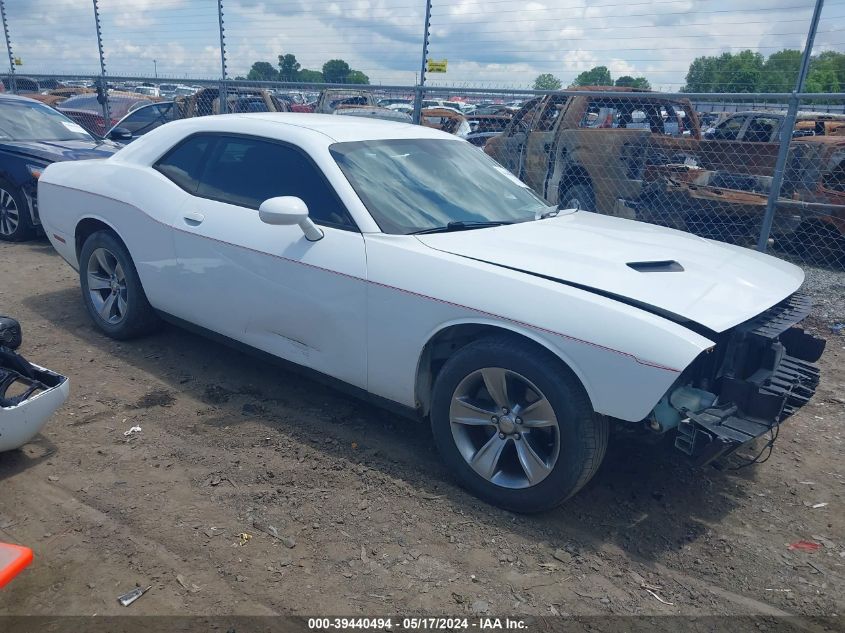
[
  {"x": 404, "y": 264},
  {"x": 576, "y": 149},
  {"x": 809, "y": 218},
  {"x": 86, "y": 110},
  {"x": 206, "y": 101},
  {"x": 32, "y": 136},
  {"x": 142, "y": 120},
  {"x": 446, "y": 120},
  {"x": 351, "y": 102},
  {"x": 765, "y": 127},
  {"x": 29, "y": 394}
]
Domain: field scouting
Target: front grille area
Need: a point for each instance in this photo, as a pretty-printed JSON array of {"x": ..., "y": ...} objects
[{"x": 761, "y": 372}]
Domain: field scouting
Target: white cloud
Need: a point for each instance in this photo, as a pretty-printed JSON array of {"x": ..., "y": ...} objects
[{"x": 486, "y": 41}]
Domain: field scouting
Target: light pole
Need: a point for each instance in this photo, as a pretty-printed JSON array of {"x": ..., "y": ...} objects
[{"x": 155, "y": 68}]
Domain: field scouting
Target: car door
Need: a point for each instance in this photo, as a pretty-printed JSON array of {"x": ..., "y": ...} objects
[
  {"x": 268, "y": 286},
  {"x": 510, "y": 147},
  {"x": 539, "y": 150},
  {"x": 147, "y": 118}
]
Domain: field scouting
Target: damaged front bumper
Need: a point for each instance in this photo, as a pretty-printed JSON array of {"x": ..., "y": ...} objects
[
  {"x": 756, "y": 376},
  {"x": 29, "y": 395}
]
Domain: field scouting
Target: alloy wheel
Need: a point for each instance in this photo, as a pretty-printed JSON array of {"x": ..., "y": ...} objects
[
  {"x": 504, "y": 427},
  {"x": 107, "y": 286},
  {"x": 9, "y": 213}
]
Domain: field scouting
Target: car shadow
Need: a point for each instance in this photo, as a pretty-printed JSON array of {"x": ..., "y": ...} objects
[
  {"x": 30, "y": 454},
  {"x": 628, "y": 503}
]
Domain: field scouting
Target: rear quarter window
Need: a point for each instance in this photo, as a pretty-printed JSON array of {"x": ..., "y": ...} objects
[{"x": 184, "y": 163}]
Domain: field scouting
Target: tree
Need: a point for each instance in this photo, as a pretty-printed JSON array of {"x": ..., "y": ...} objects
[
  {"x": 729, "y": 72},
  {"x": 335, "y": 71},
  {"x": 263, "y": 71},
  {"x": 597, "y": 76},
  {"x": 288, "y": 67},
  {"x": 637, "y": 83},
  {"x": 750, "y": 72},
  {"x": 357, "y": 77},
  {"x": 826, "y": 73},
  {"x": 780, "y": 71},
  {"x": 310, "y": 76},
  {"x": 547, "y": 81}
]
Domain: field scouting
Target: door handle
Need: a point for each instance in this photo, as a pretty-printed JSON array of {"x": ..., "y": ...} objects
[{"x": 192, "y": 218}]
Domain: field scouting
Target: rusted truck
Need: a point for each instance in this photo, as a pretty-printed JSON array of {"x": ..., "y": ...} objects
[
  {"x": 809, "y": 219},
  {"x": 587, "y": 150},
  {"x": 642, "y": 156}
]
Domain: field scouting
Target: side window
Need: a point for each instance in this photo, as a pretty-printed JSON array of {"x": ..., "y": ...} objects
[
  {"x": 523, "y": 120},
  {"x": 143, "y": 120},
  {"x": 834, "y": 178},
  {"x": 550, "y": 114},
  {"x": 599, "y": 114},
  {"x": 760, "y": 129},
  {"x": 246, "y": 172},
  {"x": 729, "y": 130},
  {"x": 183, "y": 164}
]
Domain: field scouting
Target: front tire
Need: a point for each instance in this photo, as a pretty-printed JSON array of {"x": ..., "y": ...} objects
[
  {"x": 111, "y": 288},
  {"x": 515, "y": 425},
  {"x": 15, "y": 223}
]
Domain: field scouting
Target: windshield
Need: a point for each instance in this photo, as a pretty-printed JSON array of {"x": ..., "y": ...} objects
[
  {"x": 25, "y": 121},
  {"x": 409, "y": 185}
]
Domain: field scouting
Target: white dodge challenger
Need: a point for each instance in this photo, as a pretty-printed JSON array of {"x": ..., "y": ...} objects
[{"x": 404, "y": 264}]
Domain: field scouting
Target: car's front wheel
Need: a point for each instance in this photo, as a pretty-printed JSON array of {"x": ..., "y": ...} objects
[
  {"x": 516, "y": 425},
  {"x": 111, "y": 288},
  {"x": 15, "y": 225}
]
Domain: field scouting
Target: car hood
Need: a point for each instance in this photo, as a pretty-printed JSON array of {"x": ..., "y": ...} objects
[
  {"x": 55, "y": 151},
  {"x": 670, "y": 272}
]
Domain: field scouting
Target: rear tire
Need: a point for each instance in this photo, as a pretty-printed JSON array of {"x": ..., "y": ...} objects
[
  {"x": 578, "y": 196},
  {"x": 533, "y": 450},
  {"x": 111, "y": 288},
  {"x": 15, "y": 223}
]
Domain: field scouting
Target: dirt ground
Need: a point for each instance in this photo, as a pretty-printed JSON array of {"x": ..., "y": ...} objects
[{"x": 251, "y": 490}]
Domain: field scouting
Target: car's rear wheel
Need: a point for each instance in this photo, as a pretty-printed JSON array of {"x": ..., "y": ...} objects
[
  {"x": 15, "y": 224},
  {"x": 111, "y": 288},
  {"x": 516, "y": 425}
]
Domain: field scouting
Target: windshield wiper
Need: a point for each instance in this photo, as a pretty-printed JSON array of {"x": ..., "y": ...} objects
[{"x": 460, "y": 225}]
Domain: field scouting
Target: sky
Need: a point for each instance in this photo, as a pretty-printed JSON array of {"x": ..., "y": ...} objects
[{"x": 488, "y": 43}]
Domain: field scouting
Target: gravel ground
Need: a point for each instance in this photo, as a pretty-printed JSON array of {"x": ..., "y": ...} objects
[
  {"x": 827, "y": 287},
  {"x": 251, "y": 490}
]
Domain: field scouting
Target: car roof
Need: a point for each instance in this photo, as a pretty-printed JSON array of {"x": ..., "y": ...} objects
[
  {"x": 313, "y": 132},
  {"x": 335, "y": 128},
  {"x": 10, "y": 97}
]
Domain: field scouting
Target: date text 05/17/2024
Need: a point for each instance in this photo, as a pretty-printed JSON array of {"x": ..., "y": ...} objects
[{"x": 417, "y": 624}]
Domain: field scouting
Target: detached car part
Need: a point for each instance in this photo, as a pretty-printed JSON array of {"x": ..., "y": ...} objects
[
  {"x": 10, "y": 333},
  {"x": 29, "y": 395}
]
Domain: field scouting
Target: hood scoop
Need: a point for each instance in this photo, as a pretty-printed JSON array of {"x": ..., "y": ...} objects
[{"x": 662, "y": 266}]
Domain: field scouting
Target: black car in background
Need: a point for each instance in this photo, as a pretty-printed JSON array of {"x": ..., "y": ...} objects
[
  {"x": 33, "y": 135},
  {"x": 143, "y": 120}
]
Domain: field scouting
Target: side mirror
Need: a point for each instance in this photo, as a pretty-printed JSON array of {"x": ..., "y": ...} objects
[
  {"x": 120, "y": 134},
  {"x": 288, "y": 210}
]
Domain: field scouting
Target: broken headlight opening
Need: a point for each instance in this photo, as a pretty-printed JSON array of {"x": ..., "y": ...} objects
[{"x": 756, "y": 376}]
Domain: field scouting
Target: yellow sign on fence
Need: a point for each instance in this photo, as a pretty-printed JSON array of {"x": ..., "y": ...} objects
[
  {"x": 437, "y": 65},
  {"x": 18, "y": 61}
]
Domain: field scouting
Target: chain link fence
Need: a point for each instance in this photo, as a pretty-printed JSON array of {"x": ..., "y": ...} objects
[{"x": 762, "y": 170}]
